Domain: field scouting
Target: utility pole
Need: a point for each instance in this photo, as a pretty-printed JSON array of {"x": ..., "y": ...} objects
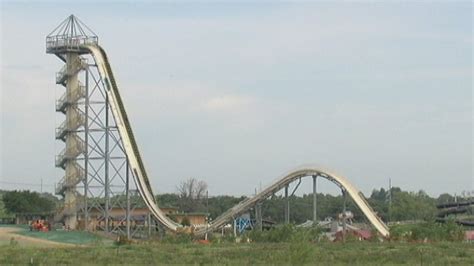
[
  {"x": 389, "y": 199},
  {"x": 207, "y": 202},
  {"x": 41, "y": 189}
]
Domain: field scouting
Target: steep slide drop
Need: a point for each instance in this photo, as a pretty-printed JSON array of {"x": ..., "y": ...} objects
[
  {"x": 143, "y": 183},
  {"x": 126, "y": 133}
]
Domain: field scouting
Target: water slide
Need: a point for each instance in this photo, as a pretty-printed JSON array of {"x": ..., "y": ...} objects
[
  {"x": 143, "y": 183},
  {"x": 130, "y": 145},
  {"x": 298, "y": 173}
]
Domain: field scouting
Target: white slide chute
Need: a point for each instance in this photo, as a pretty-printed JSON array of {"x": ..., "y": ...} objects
[
  {"x": 143, "y": 183},
  {"x": 125, "y": 130},
  {"x": 298, "y": 173}
]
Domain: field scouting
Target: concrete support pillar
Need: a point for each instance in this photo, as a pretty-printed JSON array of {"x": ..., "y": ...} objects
[
  {"x": 70, "y": 194},
  {"x": 235, "y": 227},
  {"x": 287, "y": 206}
]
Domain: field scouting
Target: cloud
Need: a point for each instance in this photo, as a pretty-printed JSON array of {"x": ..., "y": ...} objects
[{"x": 231, "y": 103}]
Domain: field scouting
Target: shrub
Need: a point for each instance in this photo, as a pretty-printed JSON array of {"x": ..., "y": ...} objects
[
  {"x": 429, "y": 231},
  {"x": 178, "y": 238},
  {"x": 287, "y": 233},
  {"x": 185, "y": 221}
]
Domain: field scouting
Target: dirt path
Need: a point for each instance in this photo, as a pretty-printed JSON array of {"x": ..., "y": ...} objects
[{"x": 7, "y": 233}]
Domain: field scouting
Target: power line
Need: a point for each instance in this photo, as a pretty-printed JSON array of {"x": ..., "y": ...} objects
[{"x": 27, "y": 184}]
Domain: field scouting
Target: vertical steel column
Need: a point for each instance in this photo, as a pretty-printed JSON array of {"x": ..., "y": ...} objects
[
  {"x": 258, "y": 216},
  {"x": 315, "y": 200},
  {"x": 149, "y": 225},
  {"x": 106, "y": 166},
  {"x": 344, "y": 215},
  {"x": 287, "y": 206},
  {"x": 127, "y": 193},
  {"x": 86, "y": 152}
]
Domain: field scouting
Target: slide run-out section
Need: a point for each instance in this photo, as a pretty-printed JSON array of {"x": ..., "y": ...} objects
[
  {"x": 298, "y": 173},
  {"x": 146, "y": 192}
]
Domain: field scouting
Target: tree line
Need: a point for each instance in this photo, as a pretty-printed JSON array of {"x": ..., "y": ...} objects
[
  {"x": 390, "y": 205},
  {"x": 191, "y": 196}
]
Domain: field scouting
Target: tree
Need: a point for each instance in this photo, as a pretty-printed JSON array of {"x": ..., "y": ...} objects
[
  {"x": 191, "y": 192},
  {"x": 413, "y": 206},
  {"x": 445, "y": 198},
  {"x": 185, "y": 221},
  {"x": 27, "y": 202}
]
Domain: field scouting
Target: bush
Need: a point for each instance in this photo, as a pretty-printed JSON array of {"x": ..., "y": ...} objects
[
  {"x": 185, "y": 221},
  {"x": 429, "y": 231},
  {"x": 178, "y": 238},
  {"x": 286, "y": 233}
]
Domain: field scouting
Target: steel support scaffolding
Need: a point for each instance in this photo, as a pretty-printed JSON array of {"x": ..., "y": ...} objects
[{"x": 94, "y": 158}]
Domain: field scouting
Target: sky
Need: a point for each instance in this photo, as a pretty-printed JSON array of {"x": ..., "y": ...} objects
[{"x": 236, "y": 94}]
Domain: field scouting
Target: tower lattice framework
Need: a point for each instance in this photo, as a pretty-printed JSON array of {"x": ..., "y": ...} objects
[{"x": 96, "y": 187}]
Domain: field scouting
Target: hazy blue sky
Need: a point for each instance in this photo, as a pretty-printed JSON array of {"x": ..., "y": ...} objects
[{"x": 238, "y": 94}]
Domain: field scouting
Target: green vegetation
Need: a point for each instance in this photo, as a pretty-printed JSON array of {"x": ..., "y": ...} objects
[
  {"x": 405, "y": 205},
  {"x": 428, "y": 231},
  {"x": 285, "y": 244},
  {"x": 286, "y": 233},
  {"x": 28, "y": 202},
  {"x": 185, "y": 221},
  {"x": 72, "y": 237},
  {"x": 3, "y": 211},
  {"x": 146, "y": 253}
]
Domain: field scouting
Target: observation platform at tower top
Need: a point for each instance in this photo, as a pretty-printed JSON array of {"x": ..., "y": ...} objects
[{"x": 70, "y": 37}]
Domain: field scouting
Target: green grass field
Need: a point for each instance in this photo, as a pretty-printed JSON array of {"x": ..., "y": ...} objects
[{"x": 355, "y": 253}]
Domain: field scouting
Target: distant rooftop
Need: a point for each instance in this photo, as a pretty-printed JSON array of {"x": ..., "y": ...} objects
[{"x": 69, "y": 36}]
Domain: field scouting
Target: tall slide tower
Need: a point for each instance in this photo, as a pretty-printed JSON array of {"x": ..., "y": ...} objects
[{"x": 96, "y": 170}]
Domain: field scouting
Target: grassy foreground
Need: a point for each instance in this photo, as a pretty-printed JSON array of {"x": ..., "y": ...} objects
[
  {"x": 355, "y": 253},
  {"x": 73, "y": 237}
]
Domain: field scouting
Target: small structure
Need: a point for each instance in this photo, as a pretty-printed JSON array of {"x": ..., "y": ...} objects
[
  {"x": 140, "y": 216},
  {"x": 117, "y": 217},
  {"x": 360, "y": 234}
]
